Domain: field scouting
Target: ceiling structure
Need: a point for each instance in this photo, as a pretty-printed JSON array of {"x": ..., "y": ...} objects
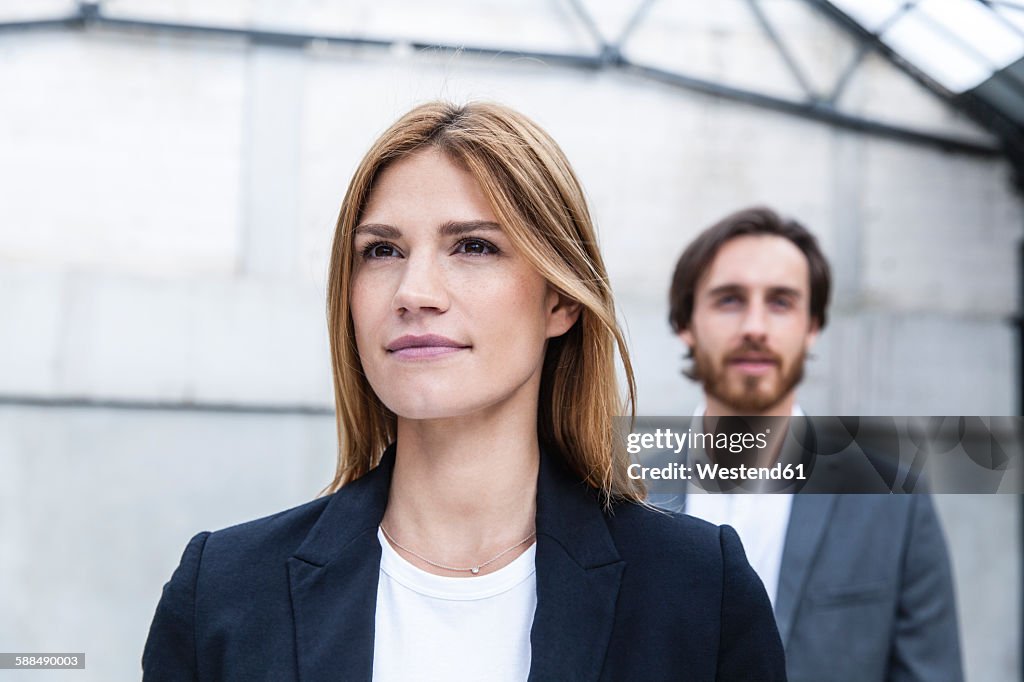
[{"x": 967, "y": 54}]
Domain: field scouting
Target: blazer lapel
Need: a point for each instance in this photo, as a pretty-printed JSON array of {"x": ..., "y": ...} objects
[
  {"x": 808, "y": 519},
  {"x": 333, "y": 580},
  {"x": 578, "y": 576}
]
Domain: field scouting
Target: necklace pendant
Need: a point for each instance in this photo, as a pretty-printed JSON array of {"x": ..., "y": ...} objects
[{"x": 475, "y": 570}]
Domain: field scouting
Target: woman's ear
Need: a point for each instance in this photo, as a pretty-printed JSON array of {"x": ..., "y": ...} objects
[{"x": 562, "y": 312}]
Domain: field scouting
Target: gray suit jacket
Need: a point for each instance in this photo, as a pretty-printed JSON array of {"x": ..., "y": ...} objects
[{"x": 865, "y": 591}]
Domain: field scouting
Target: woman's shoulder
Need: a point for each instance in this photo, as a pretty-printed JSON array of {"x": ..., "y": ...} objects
[
  {"x": 654, "y": 522},
  {"x": 675, "y": 562},
  {"x": 230, "y": 588},
  {"x": 310, "y": 532},
  {"x": 266, "y": 540},
  {"x": 642, "y": 531}
]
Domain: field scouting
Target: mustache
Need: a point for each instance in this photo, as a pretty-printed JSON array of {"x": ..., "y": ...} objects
[{"x": 750, "y": 347}]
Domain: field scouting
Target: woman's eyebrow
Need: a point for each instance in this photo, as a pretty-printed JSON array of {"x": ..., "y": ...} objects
[
  {"x": 452, "y": 228},
  {"x": 382, "y": 231},
  {"x": 457, "y": 228}
]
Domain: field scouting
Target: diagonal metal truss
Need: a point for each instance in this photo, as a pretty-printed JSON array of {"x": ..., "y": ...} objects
[
  {"x": 983, "y": 112},
  {"x": 608, "y": 55}
]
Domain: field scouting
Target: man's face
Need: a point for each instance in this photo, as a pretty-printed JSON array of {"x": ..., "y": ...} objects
[{"x": 751, "y": 326}]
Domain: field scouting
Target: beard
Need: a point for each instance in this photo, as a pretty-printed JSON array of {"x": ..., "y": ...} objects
[{"x": 748, "y": 394}]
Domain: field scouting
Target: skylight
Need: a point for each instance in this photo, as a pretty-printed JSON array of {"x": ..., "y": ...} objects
[{"x": 957, "y": 43}]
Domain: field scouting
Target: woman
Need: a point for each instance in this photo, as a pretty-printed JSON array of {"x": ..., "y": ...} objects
[{"x": 480, "y": 525}]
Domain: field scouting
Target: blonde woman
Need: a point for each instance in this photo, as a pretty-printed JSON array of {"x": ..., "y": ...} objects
[{"x": 480, "y": 525}]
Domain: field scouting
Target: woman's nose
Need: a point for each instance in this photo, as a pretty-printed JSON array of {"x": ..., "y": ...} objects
[{"x": 422, "y": 286}]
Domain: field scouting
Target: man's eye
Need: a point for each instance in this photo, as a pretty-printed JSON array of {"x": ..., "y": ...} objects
[
  {"x": 475, "y": 247},
  {"x": 379, "y": 250},
  {"x": 781, "y": 303},
  {"x": 728, "y": 300}
]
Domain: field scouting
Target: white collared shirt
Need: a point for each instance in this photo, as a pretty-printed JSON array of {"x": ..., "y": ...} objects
[{"x": 761, "y": 522}]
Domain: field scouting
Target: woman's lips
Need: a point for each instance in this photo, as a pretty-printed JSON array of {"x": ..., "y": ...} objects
[
  {"x": 417, "y": 352},
  {"x": 412, "y": 347}
]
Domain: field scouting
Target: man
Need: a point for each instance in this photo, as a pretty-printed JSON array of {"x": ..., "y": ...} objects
[{"x": 860, "y": 584}]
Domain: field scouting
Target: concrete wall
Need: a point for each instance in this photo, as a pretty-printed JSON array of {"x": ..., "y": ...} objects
[{"x": 168, "y": 204}]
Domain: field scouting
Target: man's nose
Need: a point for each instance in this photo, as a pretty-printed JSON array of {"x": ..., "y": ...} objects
[
  {"x": 755, "y": 321},
  {"x": 423, "y": 286}
]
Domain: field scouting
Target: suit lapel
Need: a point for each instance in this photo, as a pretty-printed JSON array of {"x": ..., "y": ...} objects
[
  {"x": 578, "y": 576},
  {"x": 808, "y": 519},
  {"x": 333, "y": 580}
]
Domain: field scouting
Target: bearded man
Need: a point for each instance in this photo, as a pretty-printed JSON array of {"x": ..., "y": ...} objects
[{"x": 860, "y": 585}]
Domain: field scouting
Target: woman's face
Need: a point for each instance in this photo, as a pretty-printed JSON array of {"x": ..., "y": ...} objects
[{"x": 449, "y": 319}]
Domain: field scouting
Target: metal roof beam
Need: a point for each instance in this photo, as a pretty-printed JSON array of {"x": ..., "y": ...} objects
[
  {"x": 90, "y": 15},
  {"x": 986, "y": 115},
  {"x": 783, "y": 50}
]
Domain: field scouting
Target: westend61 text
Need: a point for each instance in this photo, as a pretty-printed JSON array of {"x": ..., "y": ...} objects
[{"x": 714, "y": 472}]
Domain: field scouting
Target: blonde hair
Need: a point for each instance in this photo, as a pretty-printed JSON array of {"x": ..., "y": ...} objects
[{"x": 540, "y": 205}]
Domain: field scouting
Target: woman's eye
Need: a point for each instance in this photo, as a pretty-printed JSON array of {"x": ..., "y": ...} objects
[
  {"x": 379, "y": 250},
  {"x": 476, "y": 247}
]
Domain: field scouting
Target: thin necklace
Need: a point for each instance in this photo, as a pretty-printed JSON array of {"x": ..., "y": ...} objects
[{"x": 475, "y": 570}]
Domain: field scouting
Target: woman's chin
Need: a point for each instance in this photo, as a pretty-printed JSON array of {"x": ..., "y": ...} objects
[
  {"x": 454, "y": 397},
  {"x": 420, "y": 410}
]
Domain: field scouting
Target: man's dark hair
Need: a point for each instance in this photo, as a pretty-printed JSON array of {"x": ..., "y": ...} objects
[{"x": 750, "y": 221}]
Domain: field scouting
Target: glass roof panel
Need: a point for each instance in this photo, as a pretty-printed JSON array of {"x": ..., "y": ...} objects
[
  {"x": 978, "y": 27},
  {"x": 1012, "y": 14},
  {"x": 958, "y": 43},
  {"x": 932, "y": 50},
  {"x": 871, "y": 14}
]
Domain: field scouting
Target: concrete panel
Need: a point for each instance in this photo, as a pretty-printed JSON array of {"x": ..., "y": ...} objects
[
  {"x": 273, "y": 173},
  {"x": 982, "y": 532},
  {"x": 526, "y": 24},
  {"x": 97, "y": 506},
  {"x": 243, "y": 341},
  {"x": 33, "y": 317},
  {"x": 120, "y": 154},
  {"x": 939, "y": 234},
  {"x": 916, "y": 365}
]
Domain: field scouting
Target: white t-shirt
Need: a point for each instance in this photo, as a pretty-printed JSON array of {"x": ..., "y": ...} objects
[
  {"x": 431, "y": 627},
  {"x": 761, "y": 521}
]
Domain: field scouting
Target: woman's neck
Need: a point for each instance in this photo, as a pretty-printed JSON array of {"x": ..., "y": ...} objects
[{"x": 464, "y": 489}]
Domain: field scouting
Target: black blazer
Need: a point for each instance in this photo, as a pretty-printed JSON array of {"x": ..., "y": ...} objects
[{"x": 631, "y": 595}]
